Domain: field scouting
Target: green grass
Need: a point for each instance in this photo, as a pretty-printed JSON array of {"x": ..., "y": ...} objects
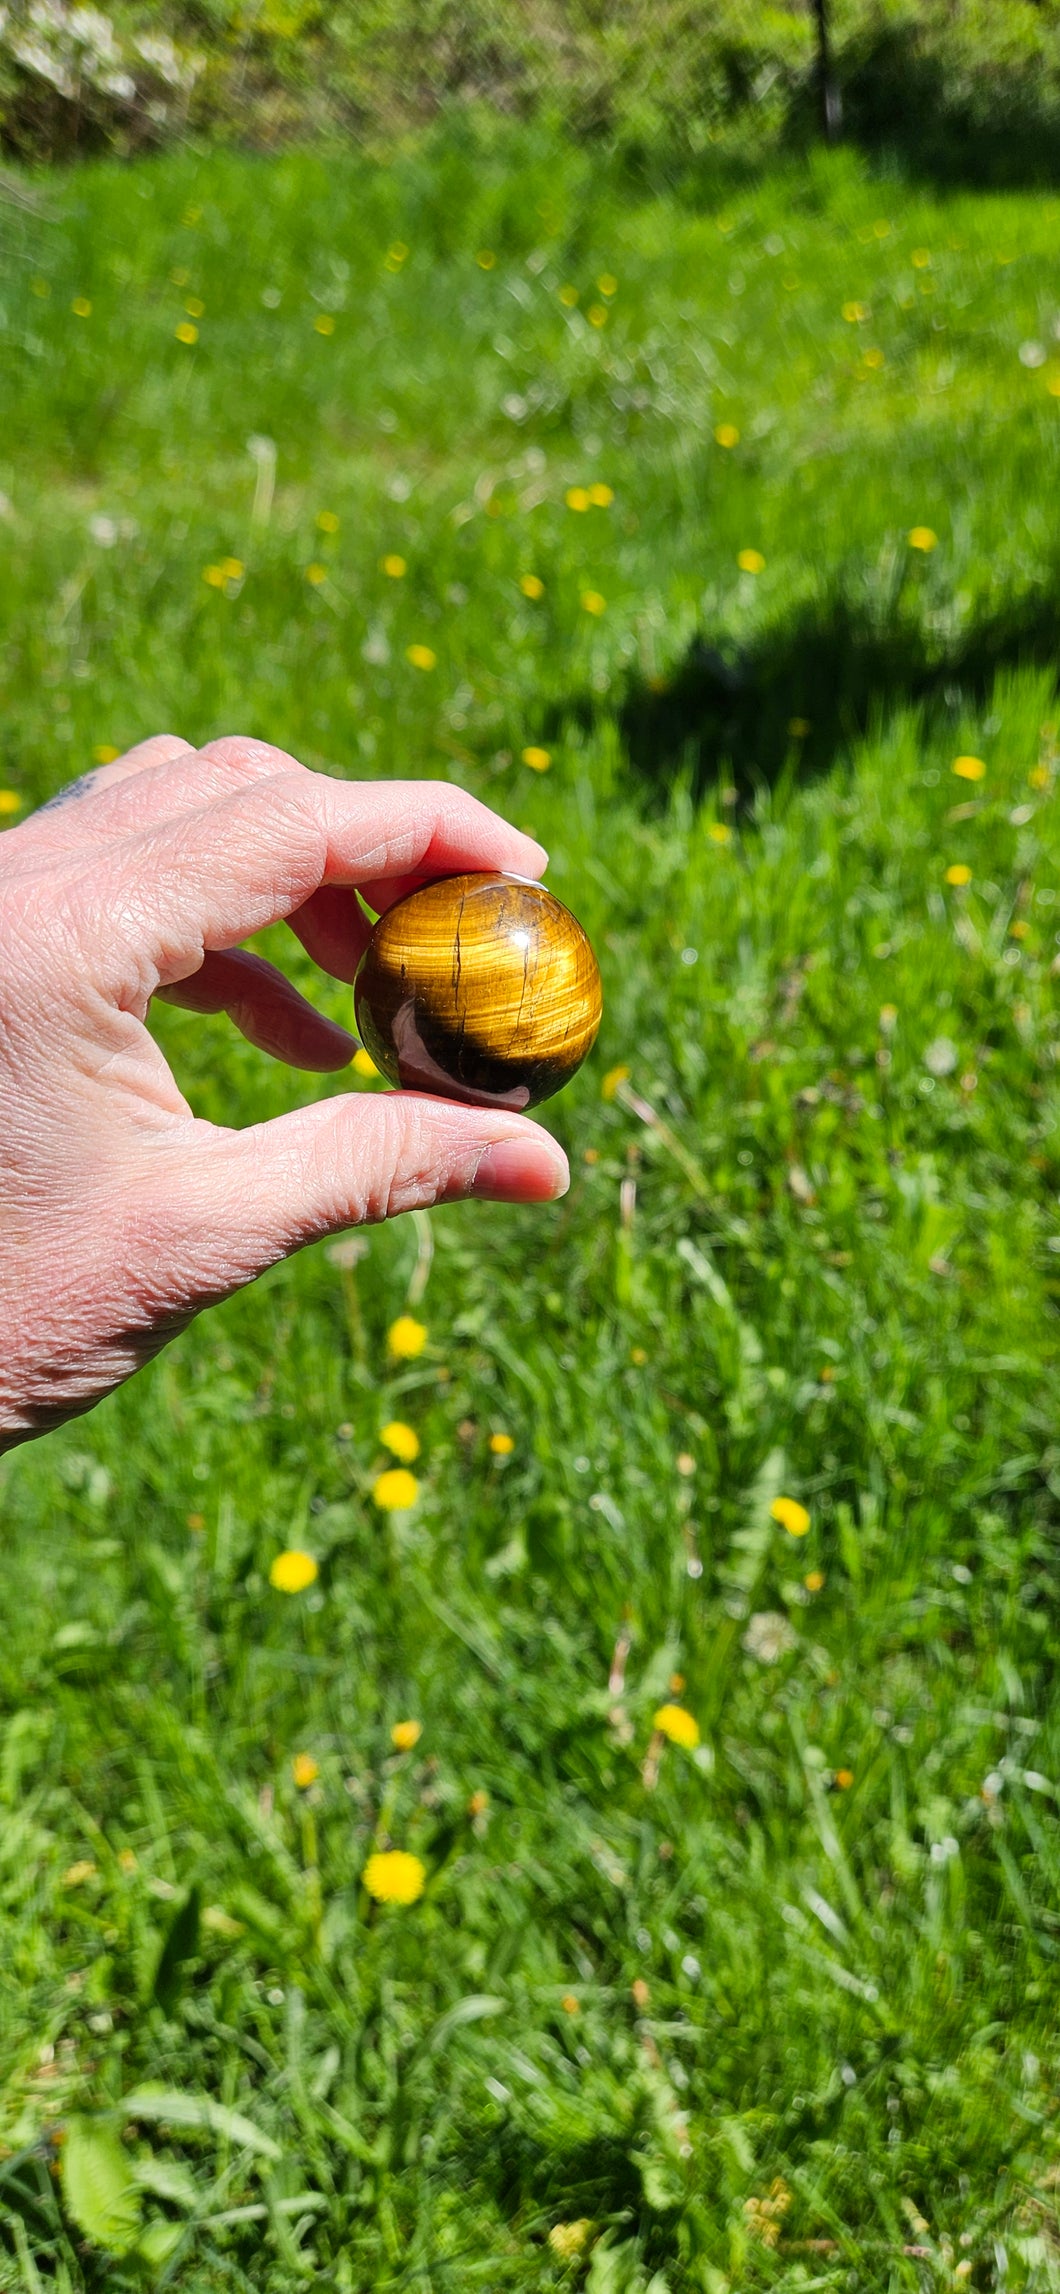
[{"x": 817, "y": 1251}]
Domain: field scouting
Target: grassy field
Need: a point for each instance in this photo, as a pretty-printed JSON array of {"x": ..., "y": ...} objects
[{"x": 742, "y": 513}]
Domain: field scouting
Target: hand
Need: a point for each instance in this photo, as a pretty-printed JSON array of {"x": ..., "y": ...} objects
[{"x": 122, "y": 1214}]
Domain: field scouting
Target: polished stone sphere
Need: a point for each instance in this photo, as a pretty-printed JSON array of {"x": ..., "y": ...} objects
[{"x": 482, "y": 988}]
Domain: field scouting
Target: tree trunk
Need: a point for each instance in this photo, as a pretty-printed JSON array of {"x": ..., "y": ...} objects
[{"x": 828, "y": 97}]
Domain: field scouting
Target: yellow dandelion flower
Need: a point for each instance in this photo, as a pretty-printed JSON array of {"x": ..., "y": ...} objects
[
  {"x": 478, "y": 1803},
  {"x": 593, "y": 603},
  {"x": 316, "y": 573},
  {"x": 485, "y": 258},
  {"x": 597, "y": 314},
  {"x": 922, "y": 538},
  {"x": 679, "y": 1725},
  {"x": 105, "y": 753},
  {"x": 196, "y": 1522},
  {"x": 304, "y": 1770},
  {"x": 791, "y": 1515},
  {"x": 531, "y": 585},
  {"x": 502, "y": 1445},
  {"x": 406, "y": 1733},
  {"x": 327, "y": 521},
  {"x": 813, "y": 1580},
  {"x": 959, "y": 873},
  {"x": 397, "y": 254},
  {"x": 214, "y": 576},
  {"x": 1019, "y": 930},
  {"x": 640, "y": 1993},
  {"x": 570, "y": 2005},
  {"x": 81, "y": 307},
  {"x": 601, "y": 496},
  {"x": 363, "y": 1064},
  {"x": 233, "y": 569},
  {"x": 719, "y": 832},
  {"x": 186, "y": 333},
  {"x": 395, "y": 1491},
  {"x": 873, "y": 359},
  {"x": 577, "y": 497},
  {"x": 638, "y": 1356},
  {"x": 127, "y": 1859},
  {"x": 969, "y": 768},
  {"x": 538, "y": 760},
  {"x": 293, "y": 1572},
  {"x": 854, "y": 313},
  {"x": 421, "y": 656},
  {"x": 394, "y": 1877},
  {"x": 75, "y": 1875},
  {"x": 921, "y": 258},
  {"x": 726, "y": 434},
  {"x": 10, "y": 801},
  {"x": 406, "y": 1337},
  {"x": 195, "y": 309},
  {"x": 394, "y": 565},
  {"x": 324, "y": 323},
  {"x": 569, "y": 2239},
  {"x": 1038, "y": 777},
  {"x": 751, "y": 561},
  {"x": 401, "y": 1441},
  {"x": 568, "y": 297},
  {"x": 606, "y": 285},
  {"x": 844, "y": 1778},
  {"x": 610, "y": 1084},
  {"x": 1053, "y": 385}
]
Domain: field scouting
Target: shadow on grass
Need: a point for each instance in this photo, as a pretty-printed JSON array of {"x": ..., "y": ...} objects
[
  {"x": 596, "y": 2178},
  {"x": 807, "y": 689},
  {"x": 955, "y": 105},
  {"x": 927, "y": 94}
]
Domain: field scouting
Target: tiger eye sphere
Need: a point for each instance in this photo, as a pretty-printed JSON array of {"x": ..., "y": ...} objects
[{"x": 482, "y": 988}]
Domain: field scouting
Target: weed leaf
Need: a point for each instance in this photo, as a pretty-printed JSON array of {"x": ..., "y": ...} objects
[
  {"x": 166, "y": 2106},
  {"x": 99, "y": 2186},
  {"x": 180, "y": 1945}
]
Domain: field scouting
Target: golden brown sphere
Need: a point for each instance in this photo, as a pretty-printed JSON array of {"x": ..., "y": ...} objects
[{"x": 482, "y": 988}]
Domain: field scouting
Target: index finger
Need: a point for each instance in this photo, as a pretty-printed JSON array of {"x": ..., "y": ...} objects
[{"x": 214, "y": 875}]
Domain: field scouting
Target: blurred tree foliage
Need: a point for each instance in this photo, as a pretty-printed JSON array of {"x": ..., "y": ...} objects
[{"x": 965, "y": 89}]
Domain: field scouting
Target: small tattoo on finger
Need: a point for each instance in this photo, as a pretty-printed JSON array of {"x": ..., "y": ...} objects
[{"x": 78, "y": 788}]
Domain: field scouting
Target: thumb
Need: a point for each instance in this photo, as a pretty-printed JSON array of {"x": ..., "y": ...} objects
[{"x": 248, "y": 1198}]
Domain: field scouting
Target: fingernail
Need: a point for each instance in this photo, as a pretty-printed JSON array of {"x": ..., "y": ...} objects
[{"x": 521, "y": 1171}]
